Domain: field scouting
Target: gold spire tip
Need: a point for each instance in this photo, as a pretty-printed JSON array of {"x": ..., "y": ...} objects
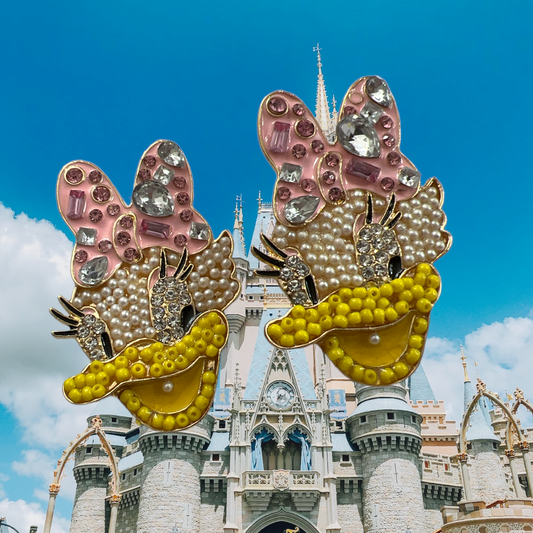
[{"x": 463, "y": 358}]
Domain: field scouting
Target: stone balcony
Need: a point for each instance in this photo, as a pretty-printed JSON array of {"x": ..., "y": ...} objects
[{"x": 260, "y": 486}]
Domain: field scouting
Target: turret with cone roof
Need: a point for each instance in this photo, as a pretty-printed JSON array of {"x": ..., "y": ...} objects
[{"x": 327, "y": 120}]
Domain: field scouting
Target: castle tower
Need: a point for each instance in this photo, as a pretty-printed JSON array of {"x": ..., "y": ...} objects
[
  {"x": 487, "y": 478},
  {"x": 90, "y": 513},
  {"x": 386, "y": 429},
  {"x": 170, "y": 493},
  {"x": 326, "y": 121}
]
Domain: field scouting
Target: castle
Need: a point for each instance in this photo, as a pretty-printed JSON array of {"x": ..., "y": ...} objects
[{"x": 291, "y": 444}]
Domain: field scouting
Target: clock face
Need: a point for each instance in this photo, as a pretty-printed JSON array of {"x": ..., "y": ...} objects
[{"x": 280, "y": 395}]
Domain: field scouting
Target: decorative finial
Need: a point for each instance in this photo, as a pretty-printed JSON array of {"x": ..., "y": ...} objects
[
  {"x": 476, "y": 364},
  {"x": 463, "y": 357},
  {"x": 317, "y": 50},
  {"x": 260, "y": 201},
  {"x": 236, "y": 223},
  {"x": 480, "y": 386}
]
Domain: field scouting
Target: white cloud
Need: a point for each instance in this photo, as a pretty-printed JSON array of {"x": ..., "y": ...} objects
[
  {"x": 34, "y": 269},
  {"x": 2, "y": 491},
  {"x": 37, "y": 464},
  {"x": 21, "y": 515},
  {"x": 503, "y": 353}
]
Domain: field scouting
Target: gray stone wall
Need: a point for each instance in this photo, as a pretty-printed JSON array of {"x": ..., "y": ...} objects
[
  {"x": 89, "y": 513},
  {"x": 127, "y": 518},
  {"x": 349, "y": 508},
  {"x": 433, "y": 519},
  {"x": 487, "y": 478},
  {"x": 212, "y": 512}
]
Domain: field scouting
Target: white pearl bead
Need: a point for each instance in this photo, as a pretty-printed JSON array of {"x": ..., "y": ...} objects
[
  {"x": 326, "y": 215},
  {"x": 233, "y": 286},
  {"x": 208, "y": 293},
  {"x": 322, "y": 285},
  {"x": 128, "y": 337},
  {"x": 329, "y": 271},
  {"x": 226, "y": 251},
  {"x": 431, "y": 254},
  {"x": 118, "y": 293},
  {"x": 228, "y": 295},
  {"x": 280, "y": 231},
  {"x": 408, "y": 250},
  {"x": 314, "y": 238},
  {"x": 334, "y": 283},
  {"x": 302, "y": 236},
  {"x": 135, "y": 268},
  {"x": 325, "y": 226},
  {"x": 122, "y": 283},
  {"x": 138, "y": 333},
  {"x": 124, "y": 315},
  {"x": 420, "y": 255},
  {"x": 200, "y": 306},
  {"x": 210, "y": 263},
  {"x": 219, "y": 303},
  {"x": 123, "y": 302},
  {"x": 403, "y": 239},
  {"x": 415, "y": 202},
  {"x": 352, "y": 268},
  {"x": 153, "y": 261},
  {"x": 346, "y": 230},
  {"x": 198, "y": 296},
  {"x": 281, "y": 242},
  {"x": 210, "y": 303},
  {"x": 318, "y": 270},
  {"x": 215, "y": 273},
  {"x": 226, "y": 263},
  {"x": 145, "y": 269},
  {"x": 330, "y": 249},
  {"x": 132, "y": 288},
  {"x": 115, "y": 309},
  {"x": 418, "y": 244},
  {"x": 120, "y": 274},
  {"x": 106, "y": 316},
  {"x": 168, "y": 386},
  {"x": 225, "y": 273},
  {"x": 340, "y": 269},
  {"x": 86, "y": 296},
  {"x": 154, "y": 251},
  {"x": 311, "y": 258},
  {"x": 101, "y": 307},
  {"x": 224, "y": 241},
  {"x": 116, "y": 333},
  {"x": 440, "y": 246},
  {"x": 96, "y": 297},
  {"x": 422, "y": 196},
  {"x": 106, "y": 291},
  {"x": 213, "y": 285},
  {"x": 112, "y": 283},
  {"x": 291, "y": 236},
  {"x": 193, "y": 287},
  {"x": 133, "y": 299},
  {"x": 143, "y": 302},
  {"x": 203, "y": 282},
  {"x": 110, "y": 300},
  {"x": 374, "y": 339},
  {"x": 126, "y": 325},
  {"x": 416, "y": 223},
  {"x": 350, "y": 248},
  {"x": 224, "y": 283},
  {"x": 149, "y": 332},
  {"x": 144, "y": 313},
  {"x": 318, "y": 248},
  {"x": 305, "y": 247},
  {"x": 417, "y": 213},
  {"x": 357, "y": 280},
  {"x": 314, "y": 227},
  {"x": 424, "y": 233},
  {"x": 322, "y": 259},
  {"x": 119, "y": 344},
  {"x": 135, "y": 320},
  {"x": 408, "y": 259}
]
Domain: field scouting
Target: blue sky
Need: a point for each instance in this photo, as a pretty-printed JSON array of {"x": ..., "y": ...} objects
[{"x": 102, "y": 80}]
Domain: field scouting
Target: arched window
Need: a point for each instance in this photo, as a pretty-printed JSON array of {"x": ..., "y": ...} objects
[
  {"x": 305, "y": 451},
  {"x": 261, "y": 438}
]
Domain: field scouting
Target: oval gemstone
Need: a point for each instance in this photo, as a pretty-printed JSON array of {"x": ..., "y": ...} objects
[
  {"x": 153, "y": 199},
  {"x": 358, "y": 136},
  {"x": 300, "y": 209},
  {"x": 93, "y": 272}
]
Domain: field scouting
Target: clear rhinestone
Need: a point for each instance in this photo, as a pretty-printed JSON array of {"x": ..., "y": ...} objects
[
  {"x": 158, "y": 312},
  {"x": 173, "y": 321},
  {"x": 363, "y": 247},
  {"x": 382, "y": 257},
  {"x": 83, "y": 331},
  {"x": 381, "y": 270},
  {"x": 378, "y": 243},
  {"x": 286, "y": 274},
  {"x": 153, "y": 198},
  {"x": 409, "y": 177},
  {"x": 171, "y": 294},
  {"x": 389, "y": 236},
  {"x": 302, "y": 269},
  {"x": 199, "y": 231},
  {"x": 163, "y": 175},
  {"x": 178, "y": 332},
  {"x": 358, "y": 136},
  {"x": 300, "y": 209},
  {"x": 89, "y": 320},
  {"x": 299, "y": 298},
  {"x": 93, "y": 272},
  {"x": 157, "y": 299},
  {"x": 392, "y": 248},
  {"x": 365, "y": 234},
  {"x": 377, "y": 89},
  {"x": 368, "y": 272},
  {"x": 99, "y": 327},
  {"x": 91, "y": 342},
  {"x": 184, "y": 298},
  {"x": 164, "y": 336},
  {"x": 97, "y": 355},
  {"x": 371, "y": 112},
  {"x": 174, "y": 308},
  {"x": 171, "y": 282},
  {"x": 160, "y": 324},
  {"x": 293, "y": 285},
  {"x": 366, "y": 260},
  {"x": 86, "y": 236},
  {"x": 290, "y": 173},
  {"x": 159, "y": 286},
  {"x": 171, "y": 154},
  {"x": 376, "y": 229}
]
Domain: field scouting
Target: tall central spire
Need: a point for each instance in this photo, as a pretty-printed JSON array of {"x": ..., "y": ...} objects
[{"x": 325, "y": 120}]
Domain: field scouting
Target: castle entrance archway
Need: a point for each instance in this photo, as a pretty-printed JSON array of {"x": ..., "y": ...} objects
[{"x": 280, "y": 521}]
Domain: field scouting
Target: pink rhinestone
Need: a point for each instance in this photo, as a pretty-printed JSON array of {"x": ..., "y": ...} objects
[
  {"x": 386, "y": 122},
  {"x": 105, "y": 245},
  {"x": 317, "y": 146},
  {"x": 131, "y": 254},
  {"x": 126, "y": 222},
  {"x": 299, "y": 151},
  {"x": 180, "y": 240},
  {"x": 279, "y": 141},
  {"x": 74, "y": 176},
  {"x": 95, "y": 176},
  {"x": 113, "y": 210},
  {"x": 277, "y": 105},
  {"x": 363, "y": 170},
  {"x": 349, "y": 110},
  {"x": 123, "y": 238},
  {"x": 95, "y": 215},
  {"x": 332, "y": 160},
  {"x": 179, "y": 182},
  {"x": 305, "y": 128},
  {"x": 182, "y": 198},
  {"x": 186, "y": 215},
  {"x": 149, "y": 160},
  {"x": 101, "y": 193},
  {"x": 394, "y": 158},
  {"x": 283, "y": 193},
  {"x": 308, "y": 185},
  {"x": 389, "y": 140},
  {"x": 80, "y": 256},
  {"x": 76, "y": 204},
  {"x": 155, "y": 229},
  {"x": 387, "y": 184},
  {"x": 298, "y": 109},
  {"x": 144, "y": 174},
  {"x": 336, "y": 194},
  {"x": 329, "y": 177}
]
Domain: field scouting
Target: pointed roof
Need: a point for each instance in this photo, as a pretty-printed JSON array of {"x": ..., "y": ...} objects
[
  {"x": 479, "y": 427},
  {"x": 420, "y": 388},
  {"x": 261, "y": 359},
  {"x": 265, "y": 216},
  {"x": 238, "y": 233},
  {"x": 322, "y": 114}
]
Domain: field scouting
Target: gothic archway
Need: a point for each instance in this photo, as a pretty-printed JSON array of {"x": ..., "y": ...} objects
[
  {"x": 281, "y": 517},
  {"x": 55, "y": 487},
  {"x": 511, "y": 423}
]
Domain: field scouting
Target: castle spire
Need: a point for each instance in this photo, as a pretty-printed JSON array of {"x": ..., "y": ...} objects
[
  {"x": 322, "y": 113},
  {"x": 238, "y": 231},
  {"x": 463, "y": 357}
]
